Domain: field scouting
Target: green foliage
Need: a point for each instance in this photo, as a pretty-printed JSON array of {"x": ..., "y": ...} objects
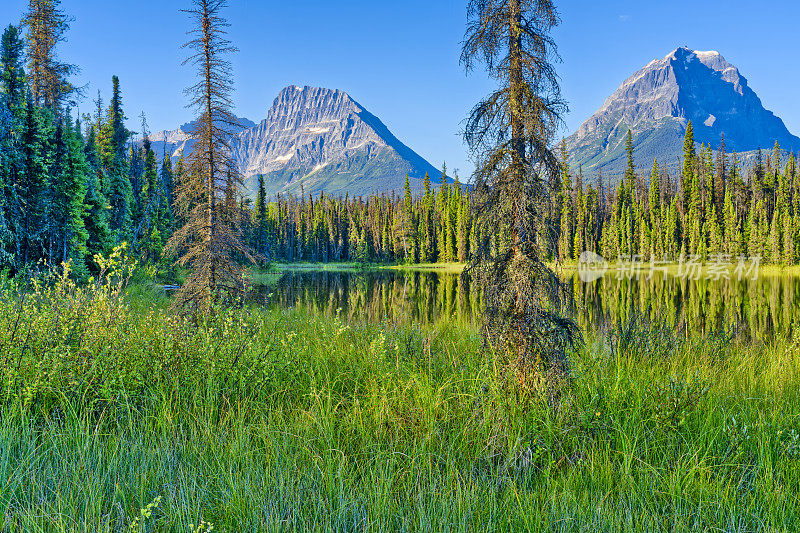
[
  {"x": 436, "y": 226},
  {"x": 95, "y": 216},
  {"x": 12, "y": 110},
  {"x": 110, "y": 406},
  {"x": 673, "y": 402},
  {"x": 67, "y": 207},
  {"x": 112, "y": 139},
  {"x": 722, "y": 213},
  {"x": 12, "y": 75},
  {"x": 712, "y": 210},
  {"x": 137, "y": 524}
]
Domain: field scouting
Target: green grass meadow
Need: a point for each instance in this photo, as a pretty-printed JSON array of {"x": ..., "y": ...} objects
[{"x": 116, "y": 415}]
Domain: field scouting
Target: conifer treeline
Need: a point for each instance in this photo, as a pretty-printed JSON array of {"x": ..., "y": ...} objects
[
  {"x": 71, "y": 188},
  {"x": 712, "y": 210},
  {"x": 435, "y": 226}
]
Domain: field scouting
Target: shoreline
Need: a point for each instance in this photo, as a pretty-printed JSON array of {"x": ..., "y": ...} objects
[{"x": 703, "y": 270}]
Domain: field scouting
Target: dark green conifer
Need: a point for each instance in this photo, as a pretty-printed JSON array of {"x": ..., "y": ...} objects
[
  {"x": 95, "y": 218},
  {"x": 511, "y": 132}
]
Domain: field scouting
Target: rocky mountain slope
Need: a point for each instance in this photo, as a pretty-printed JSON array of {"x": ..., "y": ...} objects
[
  {"x": 315, "y": 140},
  {"x": 658, "y": 101}
]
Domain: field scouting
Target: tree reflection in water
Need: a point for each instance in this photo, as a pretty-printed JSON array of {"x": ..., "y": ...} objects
[{"x": 758, "y": 309}]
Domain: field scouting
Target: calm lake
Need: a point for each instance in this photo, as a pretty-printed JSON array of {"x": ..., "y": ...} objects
[{"x": 763, "y": 308}]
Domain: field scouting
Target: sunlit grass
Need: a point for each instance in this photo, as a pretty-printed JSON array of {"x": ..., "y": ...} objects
[
  {"x": 284, "y": 420},
  {"x": 451, "y": 268}
]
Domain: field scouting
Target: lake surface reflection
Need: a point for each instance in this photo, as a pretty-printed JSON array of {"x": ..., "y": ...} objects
[{"x": 761, "y": 308}]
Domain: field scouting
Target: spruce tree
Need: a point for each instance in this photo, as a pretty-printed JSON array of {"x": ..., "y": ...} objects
[
  {"x": 645, "y": 239},
  {"x": 592, "y": 220},
  {"x": 442, "y": 202},
  {"x": 510, "y": 133},
  {"x": 774, "y": 248},
  {"x": 789, "y": 240},
  {"x": 627, "y": 200},
  {"x": 695, "y": 214},
  {"x": 150, "y": 204},
  {"x": 135, "y": 173},
  {"x": 654, "y": 214},
  {"x": 731, "y": 225},
  {"x": 463, "y": 230},
  {"x": 791, "y": 170},
  {"x": 33, "y": 183},
  {"x": 47, "y": 25},
  {"x": 67, "y": 235},
  {"x": 261, "y": 221},
  {"x": 12, "y": 116},
  {"x": 428, "y": 235},
  {"x": 757, "y": 181},
  {"x": 689, "y": 160},
  {"x": 630, "y": 167},
  {"x": 167, "y": 177},
  {"x": 755, "y": 236},
  {"x": 709, "y": 193},
  {"x": 579, "y": 244},
  {"x": 713, "y": 233},
  {"x": 673, "y": 240},
  {"x": 406, "y": 224},
  {"x": 12, "y": 71},
  {"x": 567, "y": 223},
  {"x": 112, "y": 139},
  {"x": 567, "y": 239},
  {"x": 95, "y": 219},
  {"x": 210, "y": 242},
  {"x": 720, "y": 175},
  {"x": 451, "y": 214},
  {"x": 556, "y": 204}
]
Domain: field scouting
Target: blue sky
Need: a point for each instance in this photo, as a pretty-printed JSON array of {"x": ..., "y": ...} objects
[{"x": 399, "y": 59}]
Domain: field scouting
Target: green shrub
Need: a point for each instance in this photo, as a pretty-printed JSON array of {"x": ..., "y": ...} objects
[{"x": 263, "y": 419}]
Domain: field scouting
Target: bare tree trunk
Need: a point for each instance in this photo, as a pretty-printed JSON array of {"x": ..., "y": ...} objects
[
  {"x": 211, "y": 186},
  {"x": 516, "y": 86},
  {"x": 211, "y": 240}
]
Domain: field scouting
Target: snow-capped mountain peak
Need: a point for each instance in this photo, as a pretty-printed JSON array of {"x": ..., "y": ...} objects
[
  {"x": 657, "y": 102},
  {"x": 319, "y": 140}
]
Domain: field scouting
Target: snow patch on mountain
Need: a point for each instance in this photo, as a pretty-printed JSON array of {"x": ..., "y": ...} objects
[
  {"x": 316, "y": 140},
  {"x": 658, "y": 101}
]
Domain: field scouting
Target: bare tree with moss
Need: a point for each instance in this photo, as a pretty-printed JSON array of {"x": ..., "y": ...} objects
[
  {"x": 210, "y": 243},
  {"x": 510, "y": 134}
]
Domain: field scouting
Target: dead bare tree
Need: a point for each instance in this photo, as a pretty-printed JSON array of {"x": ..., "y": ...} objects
[
  {"x": 511, "y": 133},
  {"x": 210, "y": 242}
]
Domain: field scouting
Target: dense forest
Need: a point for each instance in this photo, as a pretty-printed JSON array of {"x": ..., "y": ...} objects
[
  {"x": 72, "y": 187},
  {"x": 714, "y": 208}
]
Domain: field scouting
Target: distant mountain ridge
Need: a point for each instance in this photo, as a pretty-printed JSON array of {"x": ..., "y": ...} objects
[
  {"x": 315, "y": 139},
  {"x": 658, "y": 101}
]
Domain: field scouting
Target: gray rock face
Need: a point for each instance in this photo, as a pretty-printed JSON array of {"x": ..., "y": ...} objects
[
  {"x": 318, "y": 140},
  {"x": 175, "y": 142},
  {"x": 658, "y": 101}
]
